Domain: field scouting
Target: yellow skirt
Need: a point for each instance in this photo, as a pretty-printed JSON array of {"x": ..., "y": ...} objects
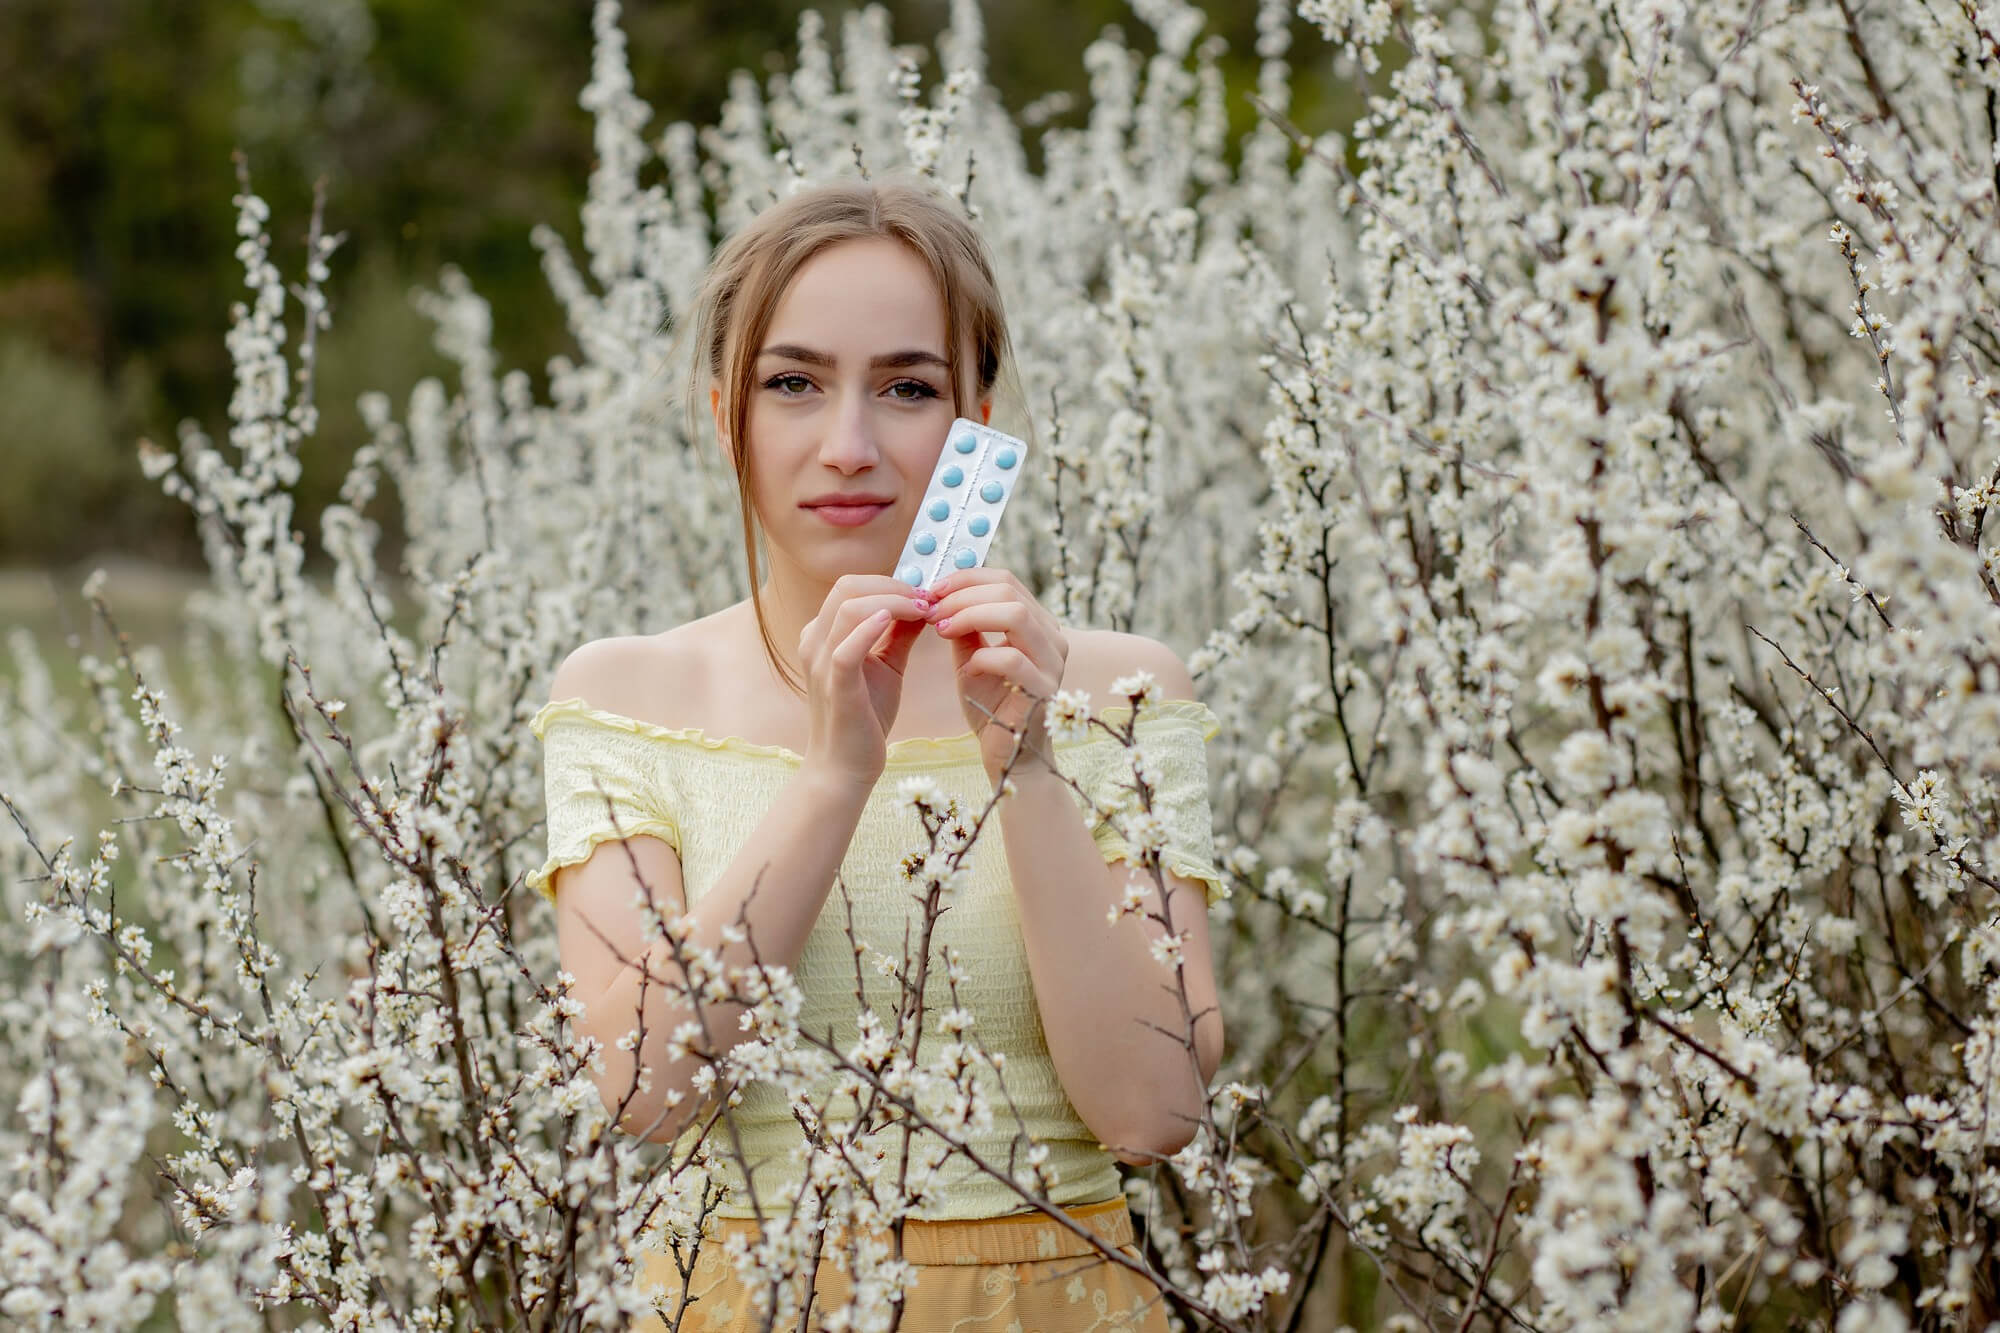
[{"x": 1020, "y": 1274}]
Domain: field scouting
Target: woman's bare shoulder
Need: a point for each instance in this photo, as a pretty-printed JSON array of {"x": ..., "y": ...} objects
[
  {"x": 1099, "y": 656},
  {"x": 662, "y": 678}
]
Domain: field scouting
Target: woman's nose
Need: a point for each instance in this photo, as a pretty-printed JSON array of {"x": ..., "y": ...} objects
[{"x": 849, "y": 442}]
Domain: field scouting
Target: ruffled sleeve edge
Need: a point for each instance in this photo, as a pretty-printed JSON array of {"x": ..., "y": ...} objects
[
  {"x": 541, "y": 879},
  {"x": 1161, "y": 710},
  {"x": 1161, "y": 713},
  {"x": 1215, "y": 886}
]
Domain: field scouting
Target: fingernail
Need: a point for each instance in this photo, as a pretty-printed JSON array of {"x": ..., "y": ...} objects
[{"x": 944, "y": 623}]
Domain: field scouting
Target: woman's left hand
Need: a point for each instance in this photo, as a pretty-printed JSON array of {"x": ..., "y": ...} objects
[{"x": 1009, "y": 654}]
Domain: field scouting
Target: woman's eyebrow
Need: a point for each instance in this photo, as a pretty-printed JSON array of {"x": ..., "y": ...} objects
[{"x": 910, "y": 357}]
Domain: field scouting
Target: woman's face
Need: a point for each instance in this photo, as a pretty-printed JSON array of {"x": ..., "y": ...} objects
[{"x": 850, "y": 398}]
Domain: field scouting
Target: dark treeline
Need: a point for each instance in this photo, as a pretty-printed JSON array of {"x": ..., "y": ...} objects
[{"x": 444, "y": 133}]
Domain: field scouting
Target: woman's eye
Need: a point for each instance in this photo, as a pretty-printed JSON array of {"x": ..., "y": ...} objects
[{"x": 793, "y": 385}]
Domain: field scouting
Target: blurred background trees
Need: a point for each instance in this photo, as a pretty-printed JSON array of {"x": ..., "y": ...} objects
[{"x": 444, "y": 132}]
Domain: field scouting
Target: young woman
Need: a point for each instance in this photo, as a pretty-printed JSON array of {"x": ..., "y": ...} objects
[{"x": 739, "y": 763}]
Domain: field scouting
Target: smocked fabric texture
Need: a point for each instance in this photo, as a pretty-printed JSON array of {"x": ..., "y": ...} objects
[{"x": 609, "y": 777}]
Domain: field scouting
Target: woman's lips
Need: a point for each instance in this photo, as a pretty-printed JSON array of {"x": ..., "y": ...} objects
[{"x": 848, "y": 516}]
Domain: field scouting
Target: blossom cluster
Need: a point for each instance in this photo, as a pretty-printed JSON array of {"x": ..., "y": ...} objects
[{"x": 1567, "y": 480}]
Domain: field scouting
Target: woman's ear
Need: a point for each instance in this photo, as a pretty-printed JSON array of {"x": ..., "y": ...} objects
[{"x": 715, "y": 410}]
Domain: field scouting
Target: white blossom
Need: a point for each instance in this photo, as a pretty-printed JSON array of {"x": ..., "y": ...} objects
[{"x": 1567, "y": 474}]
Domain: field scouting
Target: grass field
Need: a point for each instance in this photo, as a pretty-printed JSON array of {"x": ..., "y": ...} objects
[{"x": 146, "y": 599}]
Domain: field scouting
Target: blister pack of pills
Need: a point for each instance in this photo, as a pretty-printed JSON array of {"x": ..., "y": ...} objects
[{"x": 977, "y": 471}]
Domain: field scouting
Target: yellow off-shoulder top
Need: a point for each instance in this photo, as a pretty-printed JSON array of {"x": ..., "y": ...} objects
[{"x": 704, "y": 795}]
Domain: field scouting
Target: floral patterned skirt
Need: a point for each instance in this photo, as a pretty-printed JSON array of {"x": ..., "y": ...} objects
[{"x": 1023, "y": 1273}]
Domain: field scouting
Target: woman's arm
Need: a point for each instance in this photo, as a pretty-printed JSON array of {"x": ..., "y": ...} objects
[
  {"x": 788, "y": 862},
  {"x": 1112, "y": 1013}
]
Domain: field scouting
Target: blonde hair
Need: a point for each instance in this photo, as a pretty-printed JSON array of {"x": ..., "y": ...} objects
[{"x": 752, "y": 270}]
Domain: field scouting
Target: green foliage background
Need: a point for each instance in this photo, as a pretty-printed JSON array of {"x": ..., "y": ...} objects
[{"x": 444, "y": 131}]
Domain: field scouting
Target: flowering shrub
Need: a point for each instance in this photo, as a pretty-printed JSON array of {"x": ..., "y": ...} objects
[{"x": 1569, "y": 483}]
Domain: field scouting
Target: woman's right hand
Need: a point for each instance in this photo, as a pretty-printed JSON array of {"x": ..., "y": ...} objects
[{"x": 853, "y": 654}]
